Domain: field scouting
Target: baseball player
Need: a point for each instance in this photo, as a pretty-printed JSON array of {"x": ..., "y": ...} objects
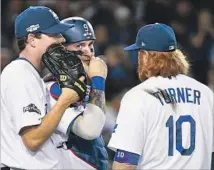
[
  {"x": 167, "y": 121},
  {"x": 78, "y": 136},
  {"x": 26, "y": 125}
]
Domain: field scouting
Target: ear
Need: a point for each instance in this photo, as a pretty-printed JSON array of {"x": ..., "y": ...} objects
[{"x": 31, "y": 40}]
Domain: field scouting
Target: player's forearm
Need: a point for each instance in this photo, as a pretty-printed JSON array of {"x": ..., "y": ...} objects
[
  {"x": 98, "y": 98},
  {"x": 89, "y": 126},
  {"x": 97, "y": 72},
  {"x": 34, "y": 137},
  {"x": 123, "y": 166}
]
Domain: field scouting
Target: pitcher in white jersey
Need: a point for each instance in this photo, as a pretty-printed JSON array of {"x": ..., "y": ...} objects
[
  {"x": 26, "y": 125},
  {"x": 78, "y": 135},
  {"x": 167, "y": 121}
]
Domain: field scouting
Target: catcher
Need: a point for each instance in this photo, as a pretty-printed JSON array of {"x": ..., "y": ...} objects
[{"x": 78, "y": 135}]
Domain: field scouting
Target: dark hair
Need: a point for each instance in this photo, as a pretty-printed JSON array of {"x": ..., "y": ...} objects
[{"x": 21, "y": 42}]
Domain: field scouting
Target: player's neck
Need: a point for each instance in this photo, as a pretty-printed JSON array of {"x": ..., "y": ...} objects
[{"x": 32, "y": 58}]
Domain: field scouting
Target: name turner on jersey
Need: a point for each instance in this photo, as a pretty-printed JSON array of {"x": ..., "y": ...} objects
[{"x": 178, "y": 95}]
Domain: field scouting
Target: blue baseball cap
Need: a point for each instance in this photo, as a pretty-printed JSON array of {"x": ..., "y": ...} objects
[
  {"x": 155, "y": 37},
  {"x": 38, "y": 19}
]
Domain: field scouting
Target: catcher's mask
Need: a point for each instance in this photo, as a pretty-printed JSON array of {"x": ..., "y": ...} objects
[{"x": 81, "y": 31}]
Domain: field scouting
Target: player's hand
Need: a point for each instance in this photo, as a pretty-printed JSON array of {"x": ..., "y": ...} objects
[
  {"x": 70, "y": 95},
  {"x": 97, "y": 67},
  {"x": 86, "y": 61}
]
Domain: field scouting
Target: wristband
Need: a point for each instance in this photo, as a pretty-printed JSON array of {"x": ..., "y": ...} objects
[{"x": 98, "y": 83}]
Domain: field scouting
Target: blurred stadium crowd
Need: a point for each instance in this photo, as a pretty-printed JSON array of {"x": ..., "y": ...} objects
[{"x": 116, "y": 23}]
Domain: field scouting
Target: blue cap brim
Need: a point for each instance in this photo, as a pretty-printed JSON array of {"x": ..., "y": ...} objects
[
  {"x": 132, "y": 47},
  {"x": 58, "y": 28}
]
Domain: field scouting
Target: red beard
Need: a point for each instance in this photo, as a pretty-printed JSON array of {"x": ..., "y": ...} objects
[{"x": 141, "y": 73}]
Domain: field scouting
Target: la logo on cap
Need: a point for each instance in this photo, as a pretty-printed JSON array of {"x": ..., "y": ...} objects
[
  {"x": 54, "y": 14},
  {"x": 172, "y": 47}
]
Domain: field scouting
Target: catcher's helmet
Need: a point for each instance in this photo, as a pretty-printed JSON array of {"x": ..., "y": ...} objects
[{"x": 81, "y": 31}]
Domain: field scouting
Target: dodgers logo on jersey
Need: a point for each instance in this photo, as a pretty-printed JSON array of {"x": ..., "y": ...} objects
[{"x": 31, "y": 108}]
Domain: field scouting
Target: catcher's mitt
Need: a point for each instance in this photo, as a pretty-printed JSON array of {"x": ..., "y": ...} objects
[{"x": 66, "y": 67}]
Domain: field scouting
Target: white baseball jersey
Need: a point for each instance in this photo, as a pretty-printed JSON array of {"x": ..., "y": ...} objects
[
  {"x": 68, "y": 158},
  {"x": 23, "y": 103},
  {"x": 169, "y": 122}
]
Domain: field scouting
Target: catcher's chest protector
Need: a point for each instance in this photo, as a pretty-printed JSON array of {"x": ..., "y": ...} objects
[{"x": 90, "y": 151}]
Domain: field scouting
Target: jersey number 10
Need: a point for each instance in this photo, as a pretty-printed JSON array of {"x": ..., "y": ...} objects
[{"x": 179, "y": 147}]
